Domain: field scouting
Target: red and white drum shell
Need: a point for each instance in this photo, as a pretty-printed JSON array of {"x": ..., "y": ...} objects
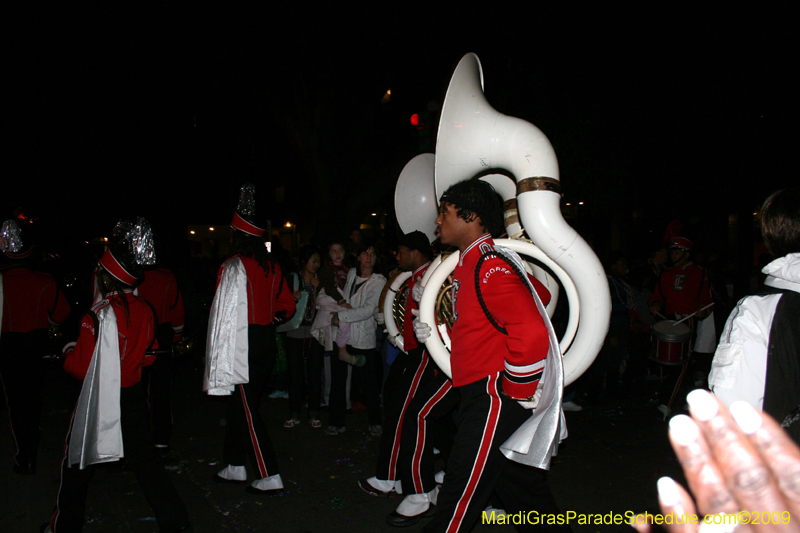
[{"x": 672, "y": 342}]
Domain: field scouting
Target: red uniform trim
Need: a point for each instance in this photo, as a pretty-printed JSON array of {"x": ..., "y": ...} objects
[
  {"x": 262, "y": 467},
  {"x": 244, "y": 226},
  {"x": 10, "y": 425},
  {"x": 409, "y": 339},
  {"x": 115, "y": 268},
  {"x": 422, "y": 425},
  {"x": 412, "y": 390}
]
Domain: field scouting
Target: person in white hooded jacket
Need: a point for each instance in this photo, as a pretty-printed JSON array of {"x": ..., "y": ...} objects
[
  {"x": 758, "y": 357},
  {"x": 362, "y": 292}
]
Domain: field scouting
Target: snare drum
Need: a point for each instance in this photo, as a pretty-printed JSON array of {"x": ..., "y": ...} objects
[{"x": 672, "y": 342}]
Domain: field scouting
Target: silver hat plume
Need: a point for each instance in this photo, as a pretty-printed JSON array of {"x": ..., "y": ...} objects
[
  {"x": 10, "y": 237},
  {"x": 247, "y": 200}
]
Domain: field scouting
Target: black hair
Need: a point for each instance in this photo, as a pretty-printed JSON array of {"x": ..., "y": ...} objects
[
  {"x": 109, "y": 284},
  {"x": 780, "y": 222},
  {"x": 477, "y": 198},
  {"x": 252, "y": 246},
  {"x": 427, "y": 252},
  {"x": 336, "y": 240},
  {"x": 304, "y": 255},
  {"x": 362, "y": 247}
]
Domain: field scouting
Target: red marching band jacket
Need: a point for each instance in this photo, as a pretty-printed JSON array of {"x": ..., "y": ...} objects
[
  {"x": 31, "y": 301},
  {"x": 409, "y": 339},
  {"x": 136, "y": 333},
  {"x": 267, "y": 292},
  {"x": 478, "y": 348},
  {"x": 160, "y": 288},
  {"x": 682, "y": 290}
]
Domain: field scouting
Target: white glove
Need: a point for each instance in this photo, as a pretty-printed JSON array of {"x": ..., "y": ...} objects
[
  {"x": 536, "y": 396},
  {"x": 421, "y": 330},
  {"x": 379, "y": 318},
  {"x": 416, "y": 292},
  {"x": 392, "y": 340}
]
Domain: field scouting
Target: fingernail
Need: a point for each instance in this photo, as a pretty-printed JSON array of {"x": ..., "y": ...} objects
[
  {"x": 704, "y": 406},
  {"x": 749, "y": 419},
  {"x": 668, "y": 493},
  {"x": 683, "y": 430}
]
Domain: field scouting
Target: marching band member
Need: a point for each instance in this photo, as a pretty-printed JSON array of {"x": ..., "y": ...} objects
[
  {"x": 160, "y": 289},
  {"x": 29, "y": 302},
  {"x": 409, "y": 371},
  {"x": 427, "y": 421},
  {"x": 681, "y": 290},
  {"x": 251, "y": 295},
  {"x": 500, "y": 342},
  {"x": 111, "y": 414}
]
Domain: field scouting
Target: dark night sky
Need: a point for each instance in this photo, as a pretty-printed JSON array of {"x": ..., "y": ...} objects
[{"x": 164, "y": 109}]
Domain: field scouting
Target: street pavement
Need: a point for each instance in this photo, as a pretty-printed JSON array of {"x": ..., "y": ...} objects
[{"x": 615, "y": 452}]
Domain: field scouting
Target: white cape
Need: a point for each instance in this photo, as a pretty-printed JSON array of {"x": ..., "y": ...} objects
[
  {"x": 226, "y": 344},
  {"x": 96, "y": 433},
  {"x": 536, "y": 440}
]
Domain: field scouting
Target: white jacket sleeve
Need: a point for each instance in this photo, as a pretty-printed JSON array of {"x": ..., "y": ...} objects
[
  {"x": 366, "y": 301},
  {"x": 739, "y": 368}
]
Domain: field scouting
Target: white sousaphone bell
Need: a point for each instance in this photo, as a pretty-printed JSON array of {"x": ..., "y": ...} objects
[
  {"x": 473, "y": 139},
  {"x": 417, "y": 207}
]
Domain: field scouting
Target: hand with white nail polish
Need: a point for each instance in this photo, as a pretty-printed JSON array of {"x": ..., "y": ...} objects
[{"x": 737, "y": 463}]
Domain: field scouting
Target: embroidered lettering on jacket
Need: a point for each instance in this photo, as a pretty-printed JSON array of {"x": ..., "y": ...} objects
[
  {"x": 494, "y": 270},
  {"x": 90, "y": 327},
  {"x": 679, "y": 282},
  {"x": 456, "y": 285}
]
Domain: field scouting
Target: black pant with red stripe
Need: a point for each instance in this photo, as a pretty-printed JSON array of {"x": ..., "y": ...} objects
[
  {"x": 142, "y": 458},
  {"x": 485, "y": 420},
  {"x": 22, "y": 371},
  {"x": 408, "y": 373},
  {"x": 245, "y": 431},
  {"x": 428, "y": 422}
]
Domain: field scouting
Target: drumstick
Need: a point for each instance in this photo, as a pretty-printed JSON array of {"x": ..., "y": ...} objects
[{"x": 690, "y": 316}]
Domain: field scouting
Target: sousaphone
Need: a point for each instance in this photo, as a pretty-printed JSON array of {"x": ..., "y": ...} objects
[
  {"x": 473, "y": 139},
  {"x": 417, "y": 208}
]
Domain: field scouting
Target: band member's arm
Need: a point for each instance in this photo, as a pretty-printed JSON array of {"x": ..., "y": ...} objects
[
  {"x": 284, "y": 303},
  {"x": 513, "y": 307},
  {"x": 175, "y": 314},
  {"x": 61, "y": 309},
  {"x": 78, "y": 359},
  {"x": 150, "y": 333},
  {"x": 541, "y": 290}
]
